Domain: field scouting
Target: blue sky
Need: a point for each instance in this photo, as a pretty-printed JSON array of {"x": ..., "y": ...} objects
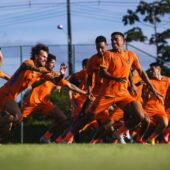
[
  {"x": 31, "y": 21},
  {"x": 26, "y": 22}
]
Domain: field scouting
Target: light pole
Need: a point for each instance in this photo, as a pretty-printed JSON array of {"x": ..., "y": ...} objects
[{"x": 69, "y": 47}]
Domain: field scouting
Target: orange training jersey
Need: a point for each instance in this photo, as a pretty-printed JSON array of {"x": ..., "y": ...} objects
[
  {"x": 93, "y": 69},
  {"x": 81, "y": 77},
  {"x": 20, "y": 80},
  {"x": 41, "y": 93},
  {"x": 152, "y": 103},
  {"x": 118, "y": 65}
]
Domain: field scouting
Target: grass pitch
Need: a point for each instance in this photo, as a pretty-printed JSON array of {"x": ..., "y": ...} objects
[{"x": 85, "y": 157}]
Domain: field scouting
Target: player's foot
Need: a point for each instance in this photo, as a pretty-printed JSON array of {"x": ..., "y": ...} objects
[
  {"x": 45, "y": 141},
  {"x": 166, "y": 137},
  {"x": 152, "y": 141},
  {"x": 95, "y": 141},
  {"x": 140, "y": 141},
  {"x": 58, "y": 139},
  {"x": 69, "y": 138}
]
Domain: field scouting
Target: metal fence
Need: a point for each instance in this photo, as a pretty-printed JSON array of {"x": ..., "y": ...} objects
[{"x": 15, "y": 55}]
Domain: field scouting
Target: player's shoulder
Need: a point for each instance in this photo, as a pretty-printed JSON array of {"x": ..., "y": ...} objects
[
  {"x": 43, "y": 68},
  {"x": 130, "y": 53},
  {"x": 93, "y": 57},
  {"x": 166, "y": 78},
  {"x": 109, "y": 54},
  {"x": 29, "y": 61}
]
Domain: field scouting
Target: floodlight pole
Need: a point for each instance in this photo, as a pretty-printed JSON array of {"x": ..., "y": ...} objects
[{"x": 69, "y": 39}]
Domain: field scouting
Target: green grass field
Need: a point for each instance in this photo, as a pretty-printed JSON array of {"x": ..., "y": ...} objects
[{"x": 85, "y": 156}]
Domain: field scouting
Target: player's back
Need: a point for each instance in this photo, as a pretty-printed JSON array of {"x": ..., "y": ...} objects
[{"x": 20, "y": 80}]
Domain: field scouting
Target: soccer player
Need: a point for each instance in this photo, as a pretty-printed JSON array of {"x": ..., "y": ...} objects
[
  {"x": 115, "y": 69},
  {"x": 77, "y": 100},
  {"x": 38, "y": 100},
  {"x": 27, "y": 74},
  {"x": 153, "y": 107},
  {"x": 116, "y": 116},
  {"x": 95, "y": 81}
]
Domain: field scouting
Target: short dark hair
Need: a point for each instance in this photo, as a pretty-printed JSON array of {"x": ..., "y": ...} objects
[
  {"x": 156, "y": 64},
  {"x": 37, "y": 48},
  {"x": 51, "y": 57},
  {"x": 100, "y": 39},
  {"x": 118, "y": 33},
  {"x": 85, "y": 61}
]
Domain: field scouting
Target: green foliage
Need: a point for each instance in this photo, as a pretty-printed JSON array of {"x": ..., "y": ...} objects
[
  {"x": 61, "y": 99},
  {"x": 150, "y": 14},
  {"x": 135, "y": 34}
]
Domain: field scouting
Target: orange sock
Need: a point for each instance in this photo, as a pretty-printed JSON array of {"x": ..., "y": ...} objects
[
  {"x": 166, "y": 130},
  {"x": 122, "y": 130},
  {"x": 47, "y": 135},
  {"x": 68, "y": 136},
  {"x": 153, "y": 136},
  {"x": 58, "y": 139}
]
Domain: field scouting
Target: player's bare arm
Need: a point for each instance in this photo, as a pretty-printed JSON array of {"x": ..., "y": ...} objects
[
  {"x": 145, "y": 78},
  {"x": 26, "y": 66},
  {"x": 107, "y": 75},
  {"x": 76, "y": 89}
]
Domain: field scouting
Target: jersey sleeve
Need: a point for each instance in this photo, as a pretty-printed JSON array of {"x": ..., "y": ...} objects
[
  {"x": 136, "y": 64},
  {"x": 79, "y": 75},
  {"x": 30, "y": 62},
  {"x": 105, "y": 60}
]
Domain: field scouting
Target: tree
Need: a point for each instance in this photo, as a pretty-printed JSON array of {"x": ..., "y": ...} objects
[{"x": 150, "y": 14}]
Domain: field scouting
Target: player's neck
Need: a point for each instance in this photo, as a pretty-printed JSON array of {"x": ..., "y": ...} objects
[
  {"x": 158, "y": 77},
  {"x": 119, "y": 50}
]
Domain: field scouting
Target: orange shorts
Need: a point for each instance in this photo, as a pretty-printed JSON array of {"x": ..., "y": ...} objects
[
  {"x": 116, "y": 115},
  {"x": 102, "y": 103},
  {"x": 43, "y": 108},
  {"x": 156, "y": 112}
]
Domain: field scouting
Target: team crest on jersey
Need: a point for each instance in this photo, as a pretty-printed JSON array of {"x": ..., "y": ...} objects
[{"x": 127, "y": 61}]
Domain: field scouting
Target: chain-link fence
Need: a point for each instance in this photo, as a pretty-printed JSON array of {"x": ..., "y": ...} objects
[{"x": 14, "y": 55}]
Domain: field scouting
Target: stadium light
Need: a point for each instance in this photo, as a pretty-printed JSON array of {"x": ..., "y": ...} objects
[{"x": 69, "y": 44}]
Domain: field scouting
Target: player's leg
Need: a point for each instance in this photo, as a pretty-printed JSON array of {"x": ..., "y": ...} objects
[
  {"x": 12, "y": 108},
  {"x": 135, "y": 117},
  {"x": 162, "y": 123},
  {"x": 100, "y": 104}
]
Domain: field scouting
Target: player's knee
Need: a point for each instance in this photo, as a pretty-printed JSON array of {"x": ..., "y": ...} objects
[
  {"x": 10, "y": 118},
  {"x": 8, "y": 127},
  {"x": 18, "y": 118},
  {"x": 164, "y": 123}
]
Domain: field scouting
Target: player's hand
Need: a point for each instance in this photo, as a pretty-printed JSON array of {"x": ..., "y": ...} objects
[
  {"x": 91, "y": 97},
  {"x": 133, "y": 90},
  {"x": 63, "y": 69}
]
